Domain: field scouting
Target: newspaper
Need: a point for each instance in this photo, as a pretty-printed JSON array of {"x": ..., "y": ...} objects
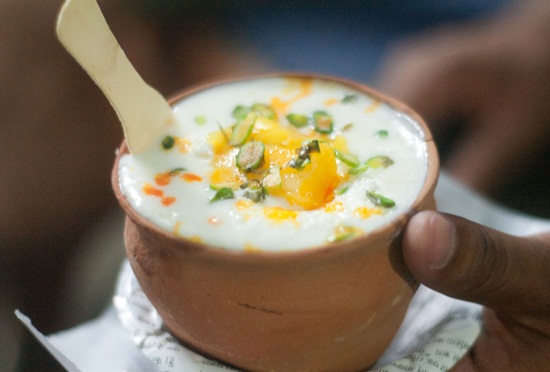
[{"x": 436, "y": 332}]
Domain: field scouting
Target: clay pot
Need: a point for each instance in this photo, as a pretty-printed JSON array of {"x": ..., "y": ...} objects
[{"x": 333, "y": 308}]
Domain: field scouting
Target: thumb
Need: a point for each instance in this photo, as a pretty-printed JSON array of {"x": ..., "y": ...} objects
[{"x": 468, "y": 261}]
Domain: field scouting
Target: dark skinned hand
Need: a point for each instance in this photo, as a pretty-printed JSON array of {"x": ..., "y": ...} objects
[{"x": 508, "y": 275}]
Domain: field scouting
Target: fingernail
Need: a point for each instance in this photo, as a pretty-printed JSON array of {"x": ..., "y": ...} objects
[{"x": 442, "y": 241}]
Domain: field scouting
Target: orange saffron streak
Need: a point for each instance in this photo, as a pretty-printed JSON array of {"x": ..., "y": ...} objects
[
  {"x": 374, "y": 105},
  {"x": 331, "y": 102},
  {"x": 251, "y": 248},
  {"x": 191, "y": 177},
  {"x": 177, "y": 228},
  {"x": 196, "y": 239},
  {"x": 168, "y": 200},
  {"x": 365, "y": 212},
  {"x": 148, "y": 189},
  {"x": 281, "y": 107},
  {"x": 214, "y": 221},
  {"x": 163, "y": 179}
]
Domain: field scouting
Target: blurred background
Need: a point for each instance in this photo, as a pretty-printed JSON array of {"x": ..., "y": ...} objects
[{"x": 478, "y": 71}]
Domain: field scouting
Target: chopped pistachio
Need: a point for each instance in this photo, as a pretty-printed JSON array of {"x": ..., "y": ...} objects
[
  {"x": 272, "y": 179},
  {"x": 303, "y": 152},
  {"x": 380, "y": 161},
  {"x": 240, "y": 112},
  {"x": 313, "y": 146},
  {"x": 358, "y": 170},
  {"x": 346, "y": 158},
  {"x": 200, "y": 119},
  {"x": 297, "y": 120},
  {"x": 263, "y": 110},
  {"x": 224, "y": 134},
  {"x": 323, "y": 122},
  {"x": 379, "y": 200},
  {"x": 242, "y": 130},
  {"x": 342, "y": 191},
  {"x": 299, "y": 163},
  {"x": 250, "y": 156},
  {"x": 168, "y": 142},
  {"x": 344, "y": 232},
  {"x": 253, "y": 190},
  {"x": 221, "y": 194},
  {"x": 348, "y": 98},
  {"x": 230, "y": 185},
  {"x": 176, "y": 171},
  {"x": 347, "y": 127}
]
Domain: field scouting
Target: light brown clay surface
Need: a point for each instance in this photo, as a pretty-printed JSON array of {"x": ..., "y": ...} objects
[{"x": 332, "y": 308}]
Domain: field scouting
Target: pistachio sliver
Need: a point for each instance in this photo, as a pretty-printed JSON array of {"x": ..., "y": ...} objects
[
  {"x": 347, "y": 158},
  {"x": 242, "y": 130},
  {"x": 297, "y": 120},
  {"x": 240, "y": 112},
  {"x": 349, "y": 98},
  {"x": 381, "y": 133},
  {"x": 358, "y": 170},
  {"x": 344, "y": 232},
  {"x": 250, "y": 156},
  {"x": 229, "y": 185},
  {"x": 200, "y": 120},
  {"x": 221, "y": 194},
  {"x": 253, "y": 190},
  {"x": 347, "y": 127},
  {"x": 176, "y": 171},
  {"x": 272, "y": 179},
  {"x": 223, "y": 132},
  {"x": 263, "y": 110},
  {"x": 313, "y": 146},
  {"x": 380, "y": 200},
  {"x": 342, "y": 190},
  {"x": 299, "y": 163},
  {"x": 168, "y": 142},
  {"x": 304, "y": 152},
  {"x": 381, "y": 161},
  {"x": 323, "y": 122}
]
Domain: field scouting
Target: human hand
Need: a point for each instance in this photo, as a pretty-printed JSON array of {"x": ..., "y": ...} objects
[
  {"x": 495, "y": 77},
  {"x": 509, "y": 275}
]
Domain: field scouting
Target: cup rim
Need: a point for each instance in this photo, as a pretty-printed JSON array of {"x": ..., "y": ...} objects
[{"x": 388, "y": 230}]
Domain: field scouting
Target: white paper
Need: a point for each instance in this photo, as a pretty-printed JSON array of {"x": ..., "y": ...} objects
[
  {"x": 62, "y": 358},
  {"x": 436, "y": 332}
]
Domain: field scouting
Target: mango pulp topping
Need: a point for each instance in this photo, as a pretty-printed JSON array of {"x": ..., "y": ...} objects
[{"x": 309, "y": 187}]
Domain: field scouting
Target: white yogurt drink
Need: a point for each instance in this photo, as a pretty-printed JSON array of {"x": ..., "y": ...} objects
[{"x": 277, "y": 163}]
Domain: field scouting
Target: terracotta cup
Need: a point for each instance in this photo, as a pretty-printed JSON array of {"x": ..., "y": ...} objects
[{"x": 332, "y": 308}]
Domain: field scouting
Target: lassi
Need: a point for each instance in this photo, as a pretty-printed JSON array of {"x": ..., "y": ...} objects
[{"x": 277, "y": 164}]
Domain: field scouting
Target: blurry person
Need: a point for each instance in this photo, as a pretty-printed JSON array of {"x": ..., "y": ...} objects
[{"x": 488, "y": 83}]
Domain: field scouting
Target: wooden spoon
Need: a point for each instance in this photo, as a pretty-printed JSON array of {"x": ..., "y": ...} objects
[{"x": 84, "y": 32}]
